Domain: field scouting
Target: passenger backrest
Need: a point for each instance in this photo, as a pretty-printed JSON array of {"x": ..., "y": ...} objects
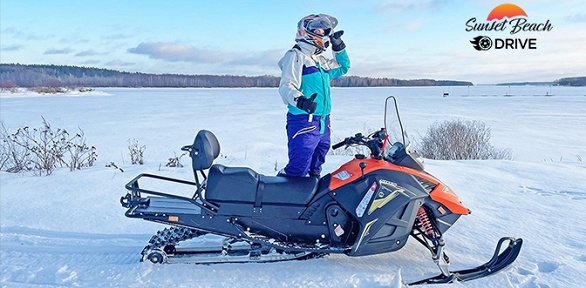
[{"x": 204, "y": 150}]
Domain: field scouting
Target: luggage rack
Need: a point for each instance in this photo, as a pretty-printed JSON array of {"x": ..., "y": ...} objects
[{"x": 133, "y": 199}]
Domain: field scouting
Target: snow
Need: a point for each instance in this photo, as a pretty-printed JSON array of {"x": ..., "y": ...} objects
[{"x": 69, "y": 230}]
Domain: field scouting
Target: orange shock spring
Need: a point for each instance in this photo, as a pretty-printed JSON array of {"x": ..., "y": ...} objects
[{"x": 425, "y": 222}]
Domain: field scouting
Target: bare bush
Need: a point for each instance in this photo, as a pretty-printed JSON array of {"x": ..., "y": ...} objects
[
  {"x": 460, "y": 139},
  {"x": 175, "y": 161},
  {"x": 113, "y": 165},
  {"x": 13, "y": 158},
  {"x": 80, "y": 154},
  {"x": 49, "y": 90},
  {"x": 44, "y": 149},
  {"x": 136, "y": 152}
]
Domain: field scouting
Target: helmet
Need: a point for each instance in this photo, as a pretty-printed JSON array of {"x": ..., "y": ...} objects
[{"x": 316, "y": 29}]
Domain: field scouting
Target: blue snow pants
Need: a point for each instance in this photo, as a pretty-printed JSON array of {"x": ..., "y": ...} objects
[{"x": 307, "y": 146}]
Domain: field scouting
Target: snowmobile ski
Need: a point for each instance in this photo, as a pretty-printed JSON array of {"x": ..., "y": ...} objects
[{"x": 498, "y": 262}]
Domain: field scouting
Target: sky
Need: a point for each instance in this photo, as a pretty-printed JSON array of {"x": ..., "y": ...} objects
[{"x": 392, "y": 39}]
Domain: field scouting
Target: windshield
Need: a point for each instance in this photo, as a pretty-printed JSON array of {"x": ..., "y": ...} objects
[
  {"x": 397, "y": 149},
  {"x": 393, "y": 123}
]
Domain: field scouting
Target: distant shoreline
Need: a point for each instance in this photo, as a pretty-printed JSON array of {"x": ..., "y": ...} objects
[
  {"x": 19, "y": 75},
  {"x": 54, "y": 76}
]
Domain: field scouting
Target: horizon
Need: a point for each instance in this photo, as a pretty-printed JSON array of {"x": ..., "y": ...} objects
[
  {"x": 537, "y": 83},
  {"x": 419, "y": 40}
]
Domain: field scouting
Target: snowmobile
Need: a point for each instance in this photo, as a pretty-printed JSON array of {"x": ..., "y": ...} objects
[{"x": 370, "y": 205}]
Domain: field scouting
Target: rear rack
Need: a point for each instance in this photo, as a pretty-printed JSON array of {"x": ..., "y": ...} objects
[{"x": 134, "y": 200}]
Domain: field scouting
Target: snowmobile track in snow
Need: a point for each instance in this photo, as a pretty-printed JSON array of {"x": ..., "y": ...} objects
[{"x": 54, "y": 257}]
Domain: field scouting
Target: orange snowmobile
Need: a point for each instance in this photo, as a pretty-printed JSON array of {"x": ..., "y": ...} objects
[{"x": 372, "y": 204}]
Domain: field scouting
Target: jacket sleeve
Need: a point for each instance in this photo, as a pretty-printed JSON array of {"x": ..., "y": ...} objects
[
  {"x": 291, "y": 69},
  {"x": 340, "y": 65}
]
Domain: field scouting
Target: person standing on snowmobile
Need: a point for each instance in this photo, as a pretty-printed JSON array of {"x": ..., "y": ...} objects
[{"x": 305, "y": 89}]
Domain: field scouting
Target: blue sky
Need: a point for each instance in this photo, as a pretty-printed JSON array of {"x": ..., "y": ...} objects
[{"x": 393, "y": 39}]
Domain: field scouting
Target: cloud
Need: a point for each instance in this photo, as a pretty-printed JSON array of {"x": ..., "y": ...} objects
[
  {"x": 118, "y": 62},
  {"x": 117, "y": 36},
  {"x": 20, "y": 34},
  {"x": 180, "y": 52},
  {"x": 58, "y": 51},
  {"x": 416, "y": 24},
  {"x": 10, "y": 30},
  {"x": 75, "y": 39},
  {"x": 87, "y": 53},
  {"x": 577, "y": 18},
  {"x": 90, "y": 62},
  {"x": 401, "y": 7},
  {"x": 12, "y": 48},
  {"x": 268, "y": 58}
]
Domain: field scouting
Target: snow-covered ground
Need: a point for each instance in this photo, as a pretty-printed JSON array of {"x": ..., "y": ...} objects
[{"x": 69, "y": 230}]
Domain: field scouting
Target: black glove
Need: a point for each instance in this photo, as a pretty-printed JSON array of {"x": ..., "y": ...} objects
[
  {"x": 337, "y": 43},
  {"x": 307, "y": 104}
]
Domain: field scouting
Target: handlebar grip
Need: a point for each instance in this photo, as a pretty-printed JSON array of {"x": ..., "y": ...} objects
[{"x": 336, "y": 146}]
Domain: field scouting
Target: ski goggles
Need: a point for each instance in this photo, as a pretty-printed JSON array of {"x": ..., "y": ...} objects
[{"x": 320, "y": 25}]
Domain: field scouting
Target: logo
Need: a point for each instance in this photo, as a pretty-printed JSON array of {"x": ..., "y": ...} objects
[
  {"x": 506, "y": 18},
  {"x": 506, "y": 10},
  {"x": 365, "y": 200},
  {"x": 343, "y": 175},
  {"x": 481, "y": 43}
]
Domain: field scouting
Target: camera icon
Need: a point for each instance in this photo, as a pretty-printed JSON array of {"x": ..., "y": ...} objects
[{"x": 481, "y": 43}]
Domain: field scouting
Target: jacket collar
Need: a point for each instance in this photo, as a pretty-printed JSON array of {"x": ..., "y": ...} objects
[{"x": 307, "y": 48}]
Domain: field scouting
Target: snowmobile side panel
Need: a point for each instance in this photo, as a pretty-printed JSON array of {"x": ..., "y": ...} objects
[
  {"x": 352, "y": 171},
  {"x": 385, "y": 210},
  {"x": 286, "y": 230},
  {"x": 443, "y": 194},
  {"x": 341, "y": 226},
  {"x": 381, "y": 235},
  {"x": 266, "y": 210},
  {"x": 443, "y": 216},
  {"x": 375, "y": 191}
]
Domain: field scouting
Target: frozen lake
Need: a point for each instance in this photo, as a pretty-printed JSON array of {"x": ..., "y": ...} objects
[{"x": 69, "y": 230}]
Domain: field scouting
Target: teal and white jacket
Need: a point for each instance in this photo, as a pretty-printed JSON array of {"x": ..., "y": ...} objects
[{"x": 304, "y": 73}]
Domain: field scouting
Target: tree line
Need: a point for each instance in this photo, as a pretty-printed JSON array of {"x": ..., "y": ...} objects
[
  {"x": 571, "y": 81},
  {"x": 39, "y": 75},
  {"x": 568, "y": 81}
]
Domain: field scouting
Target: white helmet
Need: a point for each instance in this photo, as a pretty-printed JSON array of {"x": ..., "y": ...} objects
[{"x": 316, "y": 29}]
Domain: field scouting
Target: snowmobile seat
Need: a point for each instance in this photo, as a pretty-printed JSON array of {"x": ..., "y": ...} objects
[
  {"x": 204, "y": 151},
  {"x": 231, "y": 184},
  {"x": 283, "y": 190},
  {"x": 243, "y": 185}
]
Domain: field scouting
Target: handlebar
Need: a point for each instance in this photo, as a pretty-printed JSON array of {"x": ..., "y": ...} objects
[
  {"x": 356, "y": 139},
  {"x": 338, "y": 145},
  {"x": 374, "y": 141}
]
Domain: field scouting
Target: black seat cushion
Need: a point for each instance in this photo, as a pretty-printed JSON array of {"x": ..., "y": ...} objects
[
  {"x": 231, "y": 184},
  {"x": 283, "y": 190},
  {"x": 235, "y": 184}
]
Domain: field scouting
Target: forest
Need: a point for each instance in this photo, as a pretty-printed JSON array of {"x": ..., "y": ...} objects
[{"x": 20, "y": 75}]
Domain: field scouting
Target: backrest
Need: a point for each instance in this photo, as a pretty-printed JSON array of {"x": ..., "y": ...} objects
[{"x": 204, "y": 150}]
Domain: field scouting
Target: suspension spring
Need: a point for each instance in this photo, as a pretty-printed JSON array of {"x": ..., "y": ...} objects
[{"x": 426, "y": 225}]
